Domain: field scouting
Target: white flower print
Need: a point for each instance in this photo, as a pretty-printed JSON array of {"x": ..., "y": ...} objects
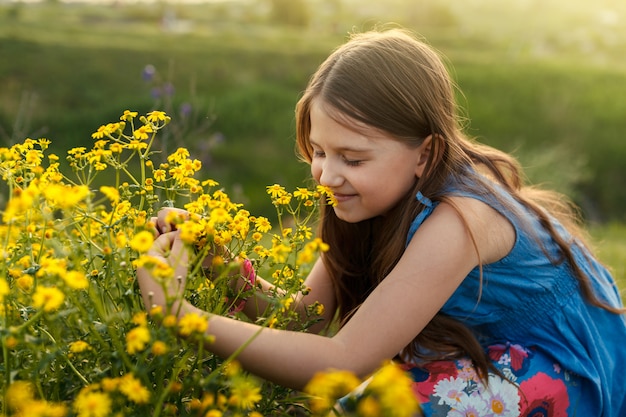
[
  {"x": 451, "y": 391},
  {"x": 472, "y": 406},
  {"x": 502, "y": 397}
]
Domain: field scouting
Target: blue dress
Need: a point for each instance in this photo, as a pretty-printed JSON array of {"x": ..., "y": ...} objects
[{"x": 564, "y": 356}]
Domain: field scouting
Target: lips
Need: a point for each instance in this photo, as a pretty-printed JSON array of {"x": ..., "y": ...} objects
[{"x": 343, "y": 197}]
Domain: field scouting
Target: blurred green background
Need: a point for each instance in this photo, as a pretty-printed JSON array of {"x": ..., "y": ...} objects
[{"x": 545, "y": 80}]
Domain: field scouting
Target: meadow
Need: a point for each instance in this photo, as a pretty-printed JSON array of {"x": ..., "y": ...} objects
[
  {"x": 545, "y": 80},
  {"x": 541, "y": 80}
]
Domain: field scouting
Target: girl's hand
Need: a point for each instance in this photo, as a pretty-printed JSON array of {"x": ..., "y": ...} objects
[
  {"x": 170, "y": 249},
  {"x": 167, "y": 218}
]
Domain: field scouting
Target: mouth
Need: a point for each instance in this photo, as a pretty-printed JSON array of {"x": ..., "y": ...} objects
[{"x": 343, "y": 197}]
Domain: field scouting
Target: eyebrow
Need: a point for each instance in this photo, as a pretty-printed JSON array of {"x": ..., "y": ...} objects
[{"x": 342, "y": 148}]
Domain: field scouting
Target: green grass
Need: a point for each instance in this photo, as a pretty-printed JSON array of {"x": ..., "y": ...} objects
[
  {"x": 545, "y": 81},
  {"x": 611, "y": 249}
]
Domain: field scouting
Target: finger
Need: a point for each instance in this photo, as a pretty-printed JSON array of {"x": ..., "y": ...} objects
[
  {"x": 162, "y": 244},
  {"x": 153, "y": 225},
  {"x": 166, "y": 218},
  {"x": 179, "y": 260}
]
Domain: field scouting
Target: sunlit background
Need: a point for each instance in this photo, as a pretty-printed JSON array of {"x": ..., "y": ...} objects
[{"x": 544, "y": 79}]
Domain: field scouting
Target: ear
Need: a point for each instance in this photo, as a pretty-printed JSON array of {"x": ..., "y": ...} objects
[{"x": 423, "y": 152}]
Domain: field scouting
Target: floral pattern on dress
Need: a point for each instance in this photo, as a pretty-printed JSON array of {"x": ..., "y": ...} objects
[{"x": 532, "y": 386}]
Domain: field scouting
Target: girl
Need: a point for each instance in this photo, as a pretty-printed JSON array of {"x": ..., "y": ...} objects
[{"x": 439, "y": 256}]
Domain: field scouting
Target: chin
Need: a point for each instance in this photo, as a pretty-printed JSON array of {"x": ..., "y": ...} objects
[{"x": 349, "y": 217}]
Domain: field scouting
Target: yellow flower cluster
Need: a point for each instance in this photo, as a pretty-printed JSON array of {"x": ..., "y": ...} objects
[
  {"x": 71, "y": 317},
  {"x": 388, "y": 392},
  {"x": 21, "y": 402}
]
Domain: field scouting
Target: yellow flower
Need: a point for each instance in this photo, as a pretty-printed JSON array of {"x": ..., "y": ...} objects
[
  {"x": 302, "y": 193},
  {"x": 330, "y": 197},
  {"x": 156, "y": 116},
  {"x": 18, "y": 394},
  {"x": 41, "y": 408},
  {"x": 190, "y": 232},
  {"x": 142, "y": 133},
  {"x": 111, "y": 193},
  {"x": 34, "y": 157},
  {"x": 179, "y": 155},
  {"x": 319, "y": 309},
  {"x": 63, "y": 196},
  {"x": 116, "y": 148},
  {"x": 140, "y": 319},
  {"x": 159, "y": 175},
  {"x": 280, "y": 251},
  {"x": 142, "y": 241},
  {"x": 262, "y": 224},
  {"x": 245, "y": 393},
  {"x": 109, "y": 384},
  {"x": 4, "y": 289},
  {"x": 132, "y": 388},
  {"x": 136, "y": 339},
  {"x": 283, "y": 199},
  {"x": 106, "y": 130},
  {"x": 369, "y": 407},
  {"x": 393, "y": 387},
  {"x": 44, "y": 143},
  {"x": 120, "y": 239},
  {"x": 169, "y": 321},
  {"x": 51, "y": 266},
  {"x": 128, "y": 115},
  {"x": 100, "y": 133},
  {"x": 159, "y": 348},
  {"x": 210, "y": 183},
  {"x": 191, "y": 323},
  {"x": 327, "y": 387},
  {"x": 11, "y": 342},
  {"x": 48, "y": 298},
  {"x": 276, "y": 190},
  {"x": 137, "y": 144},
  {"x": 90, "y": 403},
  {"x": 158, "y": 267},
  {"x": 75, "y": 280},
  {"x": 79, "y": 346}
]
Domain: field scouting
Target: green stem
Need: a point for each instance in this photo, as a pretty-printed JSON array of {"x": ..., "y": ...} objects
[
  {"x": 115, "y": 339},
  {"x": 67, "y": 360},
  {"x": 175, "y": 372},
  {"x": 5, "y": 355}
]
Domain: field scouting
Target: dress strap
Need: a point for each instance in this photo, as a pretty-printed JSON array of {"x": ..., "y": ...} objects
[{"x": 429, "y": 206}]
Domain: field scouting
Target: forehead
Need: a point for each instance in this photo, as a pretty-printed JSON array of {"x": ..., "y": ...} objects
[{"x": 328, "y": 122}]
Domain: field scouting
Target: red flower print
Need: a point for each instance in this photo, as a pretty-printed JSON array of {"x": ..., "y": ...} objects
[
  {"x": 436, "y": 371},
  {"x": 517, "y": 353},
  {"x": 542, "y": 396}
]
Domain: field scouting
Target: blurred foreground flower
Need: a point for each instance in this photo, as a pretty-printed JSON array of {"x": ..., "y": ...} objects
[{"x": 388, "y": 392}]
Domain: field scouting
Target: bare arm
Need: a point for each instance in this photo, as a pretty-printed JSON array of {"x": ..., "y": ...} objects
[{"x": 438, "y": 258}]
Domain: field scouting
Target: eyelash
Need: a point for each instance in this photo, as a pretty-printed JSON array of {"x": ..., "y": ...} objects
[{"x": 349, "y": 162}]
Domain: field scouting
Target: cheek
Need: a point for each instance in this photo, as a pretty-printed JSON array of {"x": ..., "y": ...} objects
[{"x": 316, "y": 171}]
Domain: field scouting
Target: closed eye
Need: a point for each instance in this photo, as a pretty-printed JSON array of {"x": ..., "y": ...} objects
[{"x": 352, "y": 162}]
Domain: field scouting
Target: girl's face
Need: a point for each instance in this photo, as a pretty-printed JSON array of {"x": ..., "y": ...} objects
[{"x": 369, "y": 171}]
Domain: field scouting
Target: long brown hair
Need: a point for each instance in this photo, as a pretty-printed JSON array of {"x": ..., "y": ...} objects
[{"x": 394, "y": 82}]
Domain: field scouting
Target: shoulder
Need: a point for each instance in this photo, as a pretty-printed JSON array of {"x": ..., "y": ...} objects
[{"x": 477, "y": 223}]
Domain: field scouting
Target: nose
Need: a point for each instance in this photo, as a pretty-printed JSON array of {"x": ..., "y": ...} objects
[{"x": 330, "y": 174}]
